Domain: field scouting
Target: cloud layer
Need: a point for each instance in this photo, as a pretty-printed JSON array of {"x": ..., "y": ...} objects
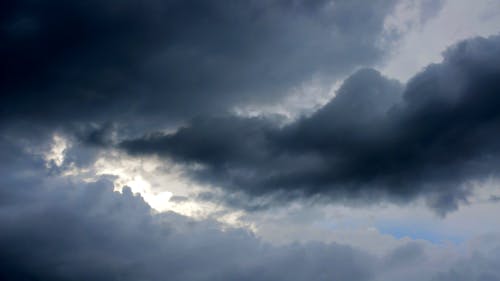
[
  {"x": 55, "y": 228},
  {"x": 154, "y": 97}
]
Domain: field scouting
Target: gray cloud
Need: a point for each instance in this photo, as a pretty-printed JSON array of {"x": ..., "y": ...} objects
[
  {"x": 429, "y": 9},
  {"x": 101, "y": 68},
  {"x": 481, "y": 264},
  {"x": 374, "y": 140},
  {"x": 408, "y": 253},
  {"x": 54, "y": 228},
  {"x": 155, "y": 62}
]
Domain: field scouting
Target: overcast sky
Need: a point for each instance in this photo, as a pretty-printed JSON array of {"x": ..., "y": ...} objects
[{"x": 250, "y": 140}]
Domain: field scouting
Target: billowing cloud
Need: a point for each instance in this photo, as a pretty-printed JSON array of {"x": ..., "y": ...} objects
[
  {"x": 143, "y": 140},
  {"x": 374, "y": 140}
]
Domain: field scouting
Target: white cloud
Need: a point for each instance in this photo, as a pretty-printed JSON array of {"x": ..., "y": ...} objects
[{"x": 422, "y": 43}]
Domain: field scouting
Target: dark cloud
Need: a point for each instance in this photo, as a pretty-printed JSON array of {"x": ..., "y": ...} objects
[
  {"x": 55, "y": 228},
  {"x": 105, "y": 70},
  {"x": 374, "y": 140},
  {"x": 153, "y": 62}
]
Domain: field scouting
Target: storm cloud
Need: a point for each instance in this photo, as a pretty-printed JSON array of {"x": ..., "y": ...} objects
[
  {"x": 54, "y": 228},
  {"x": 157, "y": 62},
  {"x": 376, "y": 139},
  {"x": 145, "y": 140}
]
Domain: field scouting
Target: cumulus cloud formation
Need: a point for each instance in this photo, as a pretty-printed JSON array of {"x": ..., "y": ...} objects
[{"x": 374, "y": 139}]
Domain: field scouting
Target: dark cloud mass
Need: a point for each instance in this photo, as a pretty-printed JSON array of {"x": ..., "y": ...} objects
[
  {"x": 374, "y": 140},
  {"x": 88, "y": 86},
  {"x": 157, "y": 61},
  {"x": 55, "y": 229}
]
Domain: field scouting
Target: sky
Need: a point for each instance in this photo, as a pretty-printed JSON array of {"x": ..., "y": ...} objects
[{"x": 250, "y": 140}]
